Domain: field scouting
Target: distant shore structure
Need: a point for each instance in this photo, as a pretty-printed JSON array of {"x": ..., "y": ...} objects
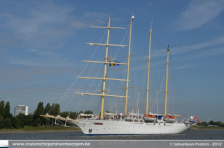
[{"x": 21, "y": 109}]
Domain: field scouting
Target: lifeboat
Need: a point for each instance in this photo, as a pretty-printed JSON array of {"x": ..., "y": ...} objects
[
  {"x": 149, "y": 117},
  {"x": 127, "y": 118},
  {"x": 169, "y": 118}
]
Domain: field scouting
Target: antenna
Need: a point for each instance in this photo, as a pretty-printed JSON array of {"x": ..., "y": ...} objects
[{"x": 151, "y": 24}]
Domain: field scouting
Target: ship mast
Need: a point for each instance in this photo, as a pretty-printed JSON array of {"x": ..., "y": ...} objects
[
  {"x": 129, "y": 52},
  {"x": 105, "y": 70},
  {"x": 167, "y": 66},
  {"x": 105, "y": 62},
  {"x": 147, "y": 91}
]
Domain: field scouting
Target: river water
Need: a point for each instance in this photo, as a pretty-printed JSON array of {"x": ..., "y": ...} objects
[
  {"x": 200, "y": 136},
  {"x": 78, "y": 135}
]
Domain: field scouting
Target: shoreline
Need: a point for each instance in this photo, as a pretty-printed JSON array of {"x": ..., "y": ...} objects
[
  {"x": 38, "y": 130},
  {"x": 207, "y": 128},
  {"x": 34, "y": 131}
]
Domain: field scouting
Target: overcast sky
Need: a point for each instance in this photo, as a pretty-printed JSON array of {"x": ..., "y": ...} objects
[{"x": 43, "y": 43}]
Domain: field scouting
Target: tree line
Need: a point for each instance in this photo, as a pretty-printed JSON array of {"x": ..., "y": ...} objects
[
  {"x": 33, "y": 119},
  {"x": 218, "y": 123}
]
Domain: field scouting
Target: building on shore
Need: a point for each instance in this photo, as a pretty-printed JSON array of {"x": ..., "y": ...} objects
[{"x": 21, "y": 109}]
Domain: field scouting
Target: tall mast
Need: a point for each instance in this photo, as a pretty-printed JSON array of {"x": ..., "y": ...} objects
[
  {"x": 105, "y": 62},
  {"x": 105, "y": 70},
  {"x": 167, "y": 66},
  {"x": 147, "y": 91},
  {"x": 129, "y": 52}
]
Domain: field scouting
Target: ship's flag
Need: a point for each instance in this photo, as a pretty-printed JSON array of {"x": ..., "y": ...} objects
[
  {"x": 196, "y": 119},
  {"x": 117, "y": 62},
  {"x": 111, "y": 63}
]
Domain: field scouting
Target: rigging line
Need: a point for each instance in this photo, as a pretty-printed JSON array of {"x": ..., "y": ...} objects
[
  {"x": 82, "y": 71},
  {"x": 114, "y": 101},
  {"x": 152, "y": 35},
  {"x": 122, "y": 40},
  {"x": 119, "y": 83},
  {"x": 49, "y": 120},
  {"x": 153, "y": 74},
  {"x": 91, "y": 40},
  {"x": 159, "y": 41},
  {"x": 119, "y": 101},
  {"x": 113, "y": 68},
  {"x": 179, "y": 92},
  {"x": 70, "y": 79},
  {"x": 185, "y": 98},
  {"x": 153, "y": 82},
  {"x": 96, "y": 87},
  {"x": 142, "y": 77},
  {"x": 121, "y": 43},
  {"x": 59, "y": 121},
  {"x": 134, "y": 74},
  {"x": 140, "y": 82},
  {"x": 89, "y": 85},
  {"x": 131, "y": 62},
  {"x": 110, "y": 102},
  {"x": 175, "y": 106},
  {"x": 173, "y": 82},
  {"x": 86, "y": 56},
  {"x": 115, "y": 56},
  {"x": 54, "y": 122},
  {"x": 83, "y": 84},
  {"x": 83, "y": 98},
  {"x": 159, "y": 90},
  {"x": 147, "y": 31},
  {"x": 133, "y": 93},
  {"x": 111, "y": 84},
  {"x": 174, "y": 99},
  {"x": 162, "y": 83}
]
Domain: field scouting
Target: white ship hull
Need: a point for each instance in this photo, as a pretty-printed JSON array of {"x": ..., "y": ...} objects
[{"x": 106, "y": 127}]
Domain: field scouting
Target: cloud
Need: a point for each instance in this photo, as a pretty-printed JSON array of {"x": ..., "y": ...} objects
[
  {"x": 184, "y": 49},
  {"x": 88, "y": 19},
  {"x": 44, "y": 53},
  {"x": 185, "y": 66},
  {"x": 38, "y": 29},
  {"x": 149, "y": 4},
  {"x": 198, "y": 13},
  {"x": 47, "y": 21},
  {"x": 33, "y": 74},
  {"x": 212, "y": 52},
  {"x": 124, "y": 10},
  {"x": 37, "y": 20},
  {"x": 39, "y": 61},
  {"x": 22, "y": 62}
]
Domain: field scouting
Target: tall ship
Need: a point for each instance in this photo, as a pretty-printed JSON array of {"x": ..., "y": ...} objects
[{"x": 127, "y": 123}]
